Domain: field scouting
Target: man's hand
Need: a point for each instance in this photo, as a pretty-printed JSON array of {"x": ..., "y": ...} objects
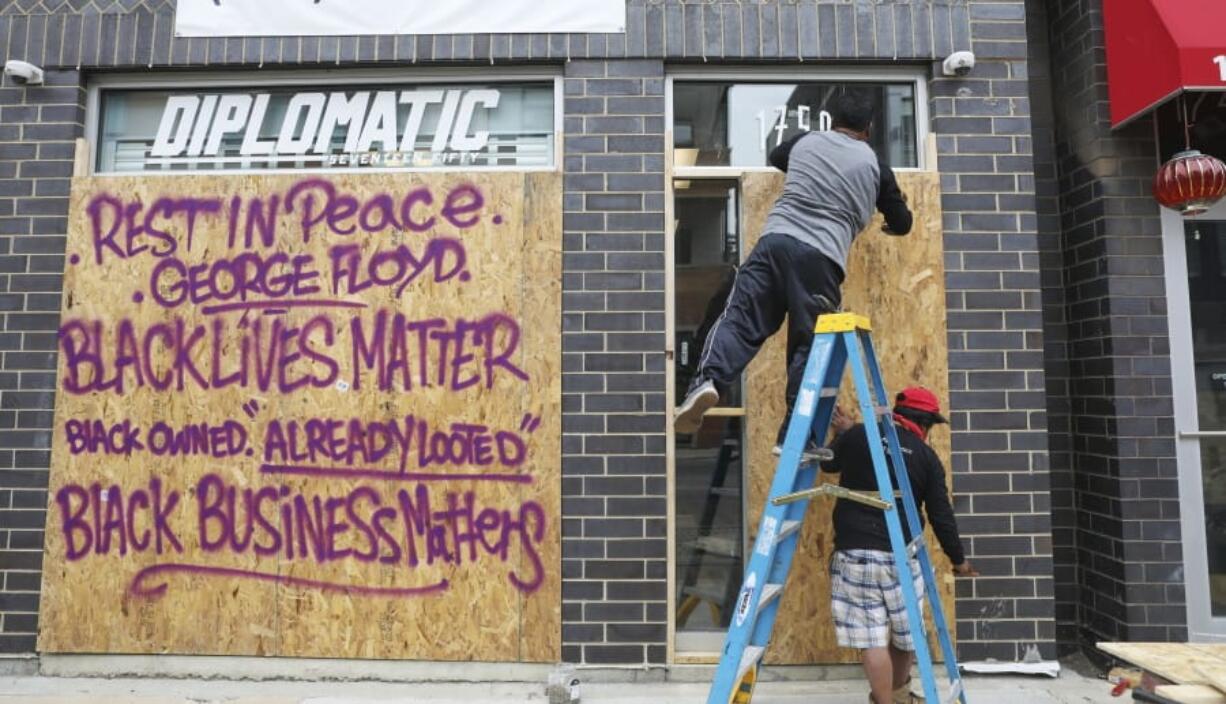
[
  {"x": 840, "y": 422},
  {"x": 965, "y": 569}
]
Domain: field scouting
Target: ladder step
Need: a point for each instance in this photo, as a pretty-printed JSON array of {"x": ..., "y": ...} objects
[
  {"x": 915, "y": 546},
  {"x": 752, "y": 655},
  {"x": 830, "y": 392},
  {"x": 789, "y": 527},
  {"x": 820, "y": 454},
  {"x": 771, "y": 591}
]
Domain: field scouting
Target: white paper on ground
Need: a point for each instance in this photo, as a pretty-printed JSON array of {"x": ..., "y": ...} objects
[{"x": 1049, "y": 668}]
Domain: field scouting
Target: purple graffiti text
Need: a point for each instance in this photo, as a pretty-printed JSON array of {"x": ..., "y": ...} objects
[
  {"x": 150, "y": 582},
  {"x": 466, "y": 353},
  {"x": 391, "y": 475},
  {"x": 286, "y": 357},
  {"x": 277, "y": 355},
  {"x": 359, "y": 442},
  {"x": 123, "y": 228},
  {"x": 100, "y": 519},
  {"x": 397, "y": 267},
  {"x": 366, "y": 526},
  {"x": 248, "y": 275},
  {"x": 323, "y": 206},
  {"x": 127, "y": 229},
  {"x": 218, "y": 440}
]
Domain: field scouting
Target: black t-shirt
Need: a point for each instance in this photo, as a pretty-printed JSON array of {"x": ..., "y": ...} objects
[{"x": 860, "y": 527}]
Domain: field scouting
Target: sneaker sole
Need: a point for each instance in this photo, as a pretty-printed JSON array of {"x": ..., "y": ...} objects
[{"x": 689, "y": 416}]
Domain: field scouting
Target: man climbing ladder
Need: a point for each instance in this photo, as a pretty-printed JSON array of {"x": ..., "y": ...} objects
[
  {"x": 840, "y": 340},
  {"x": 834, "y": 181}
]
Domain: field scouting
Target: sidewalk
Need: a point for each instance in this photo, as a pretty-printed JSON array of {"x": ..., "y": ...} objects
[{"x": 1070, "y": 688}]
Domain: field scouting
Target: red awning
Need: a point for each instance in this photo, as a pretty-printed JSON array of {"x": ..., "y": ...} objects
[{"x": 1159, "y": 48}]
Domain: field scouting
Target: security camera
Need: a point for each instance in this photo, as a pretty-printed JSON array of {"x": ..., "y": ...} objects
[
  {"x": 23, "y": 74},
  {"x": 958, "y": 63}
]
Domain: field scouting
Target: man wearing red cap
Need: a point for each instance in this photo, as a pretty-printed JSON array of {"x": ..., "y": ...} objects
[{"x": 866, "y": 594}]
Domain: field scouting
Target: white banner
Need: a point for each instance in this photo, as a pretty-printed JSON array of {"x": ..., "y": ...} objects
[{"x": 275, "y": 18}]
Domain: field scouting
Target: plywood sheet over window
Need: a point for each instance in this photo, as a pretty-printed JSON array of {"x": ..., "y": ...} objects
[
  {"x": 309, "y": 416},
  {"x": 900, "y": 284}
]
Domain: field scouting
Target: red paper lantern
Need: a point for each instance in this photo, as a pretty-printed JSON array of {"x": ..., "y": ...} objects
[{"x": 1190, "y": 182}]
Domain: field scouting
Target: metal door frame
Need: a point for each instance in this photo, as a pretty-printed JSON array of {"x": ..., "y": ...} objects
[{"x": 1202, "y": 626}]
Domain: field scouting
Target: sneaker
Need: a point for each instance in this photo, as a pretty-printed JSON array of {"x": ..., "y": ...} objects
[{"x": 688, "y": 417}]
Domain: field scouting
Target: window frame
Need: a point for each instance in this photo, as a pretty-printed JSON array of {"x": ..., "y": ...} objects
[
  {"x": 323, "y": 79},
  {"x": 918, "y": 77},
  {"x": 915, "y": 76}
]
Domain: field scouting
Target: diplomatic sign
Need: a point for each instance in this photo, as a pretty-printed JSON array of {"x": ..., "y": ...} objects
[
  {"x": 195, "y": 126},
  {"x": 418, "y": 126},
  {"x": 277, "y": 18}
]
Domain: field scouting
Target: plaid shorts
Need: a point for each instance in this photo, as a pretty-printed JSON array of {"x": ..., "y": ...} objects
[{"x": 866, "y": 600}]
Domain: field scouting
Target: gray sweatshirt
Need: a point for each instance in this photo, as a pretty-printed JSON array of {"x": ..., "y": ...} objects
[{"x": 833, "y": 184}]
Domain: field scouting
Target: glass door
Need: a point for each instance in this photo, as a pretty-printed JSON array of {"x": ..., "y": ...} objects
[
  {"x": 1195, "y": 253},
  {"x": 709, "y": 469}
]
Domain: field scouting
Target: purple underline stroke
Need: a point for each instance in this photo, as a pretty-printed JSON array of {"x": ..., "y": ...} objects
[
  {"x": 389, "y": 475},
  {"x": 259, "y": 305},
  {"x": 138, "y": 588}
]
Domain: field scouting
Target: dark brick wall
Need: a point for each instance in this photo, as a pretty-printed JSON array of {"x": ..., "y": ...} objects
[
  {"x": 615, "y": 482},
  {"x": 996, "y": 338},
  {"x": 1128, "y": 572},
  {"x": 38, "y": 127},
  {"x": 615, "y": 491},
  {"x": 1055, "y": 328}
]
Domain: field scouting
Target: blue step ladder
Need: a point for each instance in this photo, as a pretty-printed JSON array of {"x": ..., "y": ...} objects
[{"x": 840, "y": 338}]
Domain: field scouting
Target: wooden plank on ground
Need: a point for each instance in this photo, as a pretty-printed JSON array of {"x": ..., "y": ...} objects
[
  {"x": 1191, "y": 694},
  {"x": 1181, "y": 663}
]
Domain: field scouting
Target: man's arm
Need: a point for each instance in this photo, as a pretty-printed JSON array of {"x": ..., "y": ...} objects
[
  {"x": 941, "y": 512},
  {"x": 892, "y": 203},
  {"x": 780, "y": 154}
]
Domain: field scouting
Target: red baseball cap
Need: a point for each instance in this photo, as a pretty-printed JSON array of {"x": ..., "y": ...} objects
[{"x": 920, "y": 399}]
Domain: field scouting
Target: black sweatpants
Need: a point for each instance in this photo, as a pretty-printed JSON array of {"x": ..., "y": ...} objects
[{"x": 782, "y": 277}]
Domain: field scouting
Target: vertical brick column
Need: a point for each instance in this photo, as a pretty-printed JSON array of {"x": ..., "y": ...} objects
[
  {"x": 995, "y": 336},
  {"x": 38, "y": 126},
  {"x": 614, "y": 498},
  {"x": 1128, "y": 537}
]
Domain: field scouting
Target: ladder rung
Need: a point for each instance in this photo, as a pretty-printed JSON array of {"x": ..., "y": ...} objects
[
  {"x": 789, "y": 527},
  {"x": 955, "y": 691},
  {"x": 884, "y": 411},
  {"x": 821, "y": 454},
  {"x": 769, "y": 592},
  {"x": 836, "y": 491},
  {"x": 751, "y": 656},
  {"x": 830, "y": 392},
  {"x": 915, "y": 546}
]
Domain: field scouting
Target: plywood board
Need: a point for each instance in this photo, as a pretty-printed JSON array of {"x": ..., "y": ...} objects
[
  {"x": 1181, "y": 663},
  {"x": 1191, "y": 694},
  {"x": 309, "y": 416},
  {"x": 900, "y": 285}
]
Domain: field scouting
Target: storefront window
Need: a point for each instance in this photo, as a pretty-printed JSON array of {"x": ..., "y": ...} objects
[
  {"x": 710, "y": 462},
  {"x": 1205, "y": 243},
  {"x": 737, "y": 124},
  {"x": 423, "y": 126}
]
